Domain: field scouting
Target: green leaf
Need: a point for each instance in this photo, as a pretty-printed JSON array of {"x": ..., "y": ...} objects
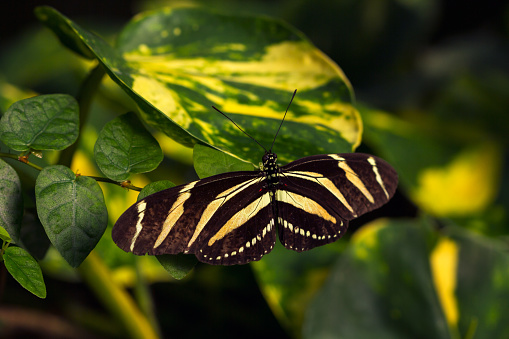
[
  {"x": 63, "y": 33},
  {"x": 439, "y": 170},
  {"x": 178, "y": 265},
  {"x": 25, "y": 270},
  {"x": 45, "y": 122},
  {"x": 11, "y": 200},
  {"x": 289, "y": 280},
  {"x": 155, "y": 187},
  {"x": 208, "y": 161},
  {"x": 72, "y": 211},
  {"x": 177, "y": 63},
  {"x": 124, "y": 147},
  {"x": 4, "y": 235},
  {"x": 381, "y": 287},
  {"x": 482, "y": 289}
]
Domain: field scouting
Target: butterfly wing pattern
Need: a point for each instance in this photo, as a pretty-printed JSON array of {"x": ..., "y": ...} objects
[
  {"x": 318, "y": 195},
  {"x": 232, "y": 218}
]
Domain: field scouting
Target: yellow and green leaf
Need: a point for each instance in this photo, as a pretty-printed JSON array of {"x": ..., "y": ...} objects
[
  {"x": 177, "y": 63},
  {"x": 402, "y": 279}
]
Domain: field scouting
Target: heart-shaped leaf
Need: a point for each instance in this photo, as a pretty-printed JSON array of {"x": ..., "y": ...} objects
[
  {"x": 124, "y": 147},
  {"x": 72, "y": 211},
  {"x": 45, "y": 122}
]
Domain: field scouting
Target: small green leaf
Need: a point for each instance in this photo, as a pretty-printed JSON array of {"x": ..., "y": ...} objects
[
  {"x": 45, "y": 122},
  {"x": 155, "y": 187},
  {"x": 72, "y": 211},
  {"x": 208, "y": 161},
  {"x": 11, "y": 201},
  {"x": 4, "y": 235},
  {"x": 178, "y": 265},
  {"x": 25, "y": 270},
  {"x": 124, "y": 147}
]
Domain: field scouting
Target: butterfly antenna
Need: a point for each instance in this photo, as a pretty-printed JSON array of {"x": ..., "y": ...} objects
[
  {"x": 293, "y": 96},
  {"x": 227, "y": 117}
]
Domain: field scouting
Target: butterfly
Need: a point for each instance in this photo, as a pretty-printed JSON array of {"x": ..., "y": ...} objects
[{"x": 232, "y": 218}]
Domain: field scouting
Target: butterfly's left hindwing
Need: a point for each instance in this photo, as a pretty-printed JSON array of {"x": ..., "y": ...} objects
[{"x": 224, "y": 219}]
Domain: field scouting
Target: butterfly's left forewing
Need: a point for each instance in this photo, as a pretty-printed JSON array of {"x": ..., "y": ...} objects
[{"x": 224, "y": 219}]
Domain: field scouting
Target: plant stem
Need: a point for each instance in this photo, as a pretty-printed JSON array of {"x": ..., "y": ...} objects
[
  {"x": 120, "y": 304},
  {"x": 84, "y": 98},
  {"x": 16, "y": 157},
  {"x": 125, "y": 184}
]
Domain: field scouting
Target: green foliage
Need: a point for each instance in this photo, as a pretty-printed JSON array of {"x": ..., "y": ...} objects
[
  {"x": 244, "y": 65},
  {"x": 178, "y": 265},
  {"x": 4, "y": 235},
  {"x": 208, "y": 162},
  {"x": 72, "y": 210},
  {"x": 25, "y": 270},
  {"x": 154, "y": 187},
  {"x": 46, "y": 122},
  {"x": 443, "y": 274},
  {"x": 124, "y": 147},
  {"x": 11, "y": 202}
]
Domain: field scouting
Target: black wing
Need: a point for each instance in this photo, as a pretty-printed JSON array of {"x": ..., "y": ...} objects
[
  {"x": 318, "y": 195},
  {"x": 225, "y": 219}
]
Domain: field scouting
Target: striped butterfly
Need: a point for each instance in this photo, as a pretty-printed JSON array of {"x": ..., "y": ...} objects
[{"x": 232, "y": 218}]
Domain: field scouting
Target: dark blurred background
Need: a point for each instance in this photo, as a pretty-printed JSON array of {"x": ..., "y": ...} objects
[{"x": 380, "y": 46}]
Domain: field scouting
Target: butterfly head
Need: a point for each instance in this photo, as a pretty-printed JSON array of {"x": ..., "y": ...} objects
[{"x": 269, "y": 161}]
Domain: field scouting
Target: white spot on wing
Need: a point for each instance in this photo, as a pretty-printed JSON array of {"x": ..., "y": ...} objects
[
  {"x": 353, "y": 177},
  {"x": 142, "y": 205},
  {"x": 175, "y": 212},
  {"x": 372, "y": 162}
]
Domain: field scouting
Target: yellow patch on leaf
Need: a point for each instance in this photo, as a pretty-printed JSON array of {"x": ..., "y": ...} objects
[
  {"x": 366, "y": 238},
  {"x": 467, "y": 185},
  {"x": 444, "y": 262}
]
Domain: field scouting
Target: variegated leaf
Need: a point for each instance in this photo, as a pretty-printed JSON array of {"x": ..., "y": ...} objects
[{"x": 177, "y": 63}]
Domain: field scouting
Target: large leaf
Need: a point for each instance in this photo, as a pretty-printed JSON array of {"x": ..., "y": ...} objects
[
  {"x": 177, "y": 63},
  {"x": 380, "y": 288},
  {"x": 11, "y": 201},
  {"x": 289, "y": 280},
  {"x": 402, "y": 279},
  {"x": 25, "y": 270},
  {"x": 46, "y": 122},
  {"x": 72, "y": 211},
  {"x": 125, "y": 147}
]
